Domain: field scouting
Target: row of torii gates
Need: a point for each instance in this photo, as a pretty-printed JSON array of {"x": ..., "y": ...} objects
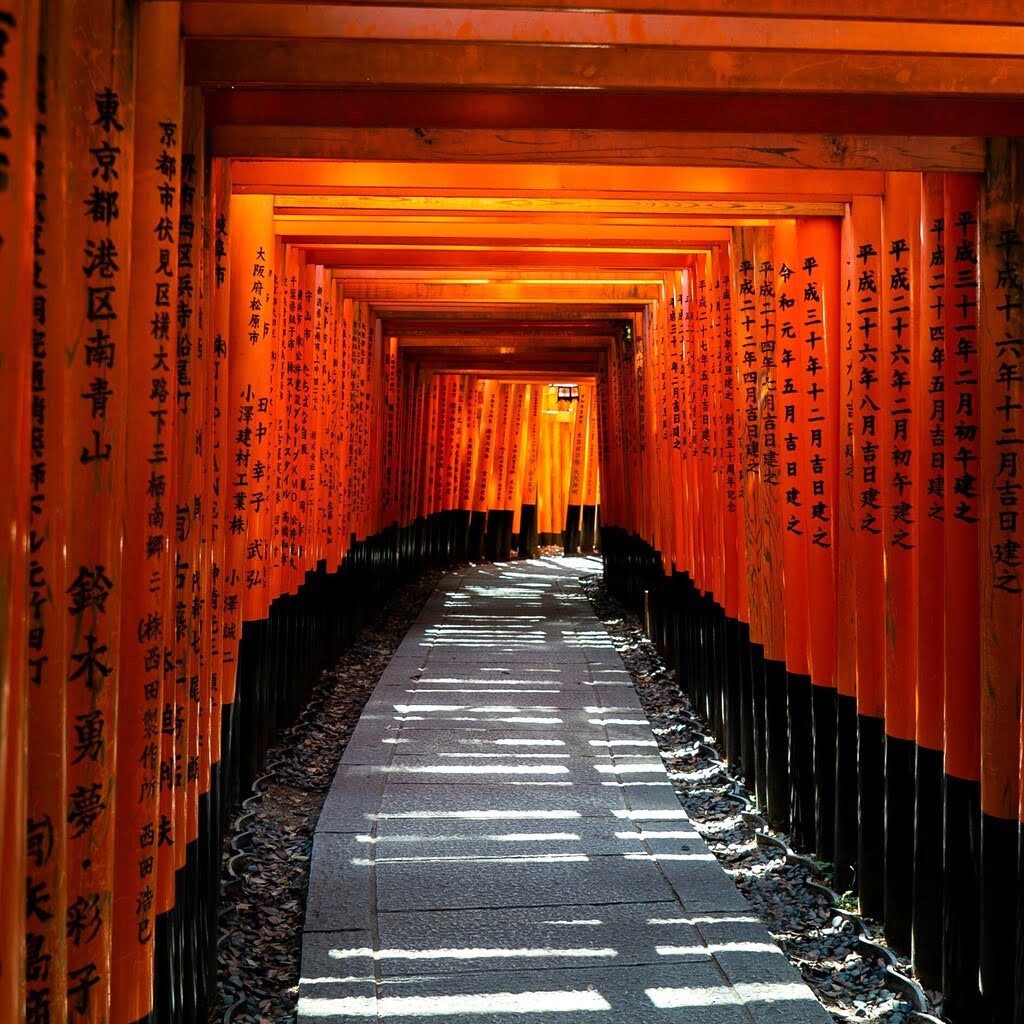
[{"x": 289, "y": 292}]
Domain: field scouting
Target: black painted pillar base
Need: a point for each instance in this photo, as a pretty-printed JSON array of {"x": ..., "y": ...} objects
[
  {"x": 572, "y": 529},
  {"x": 462, "y": 518},
  {"x": 733, "y": 692},
  {"x": 824, "y": 710},
  {"x": 166, "y": 972},
  {"x": 961, "y": 899},
  {"x": 746, "y": 707},
  {"x": 845, "y": 851},
  {"x": 757, "y": 676},
  {"x": 998, "y": 929},
  {"x": 871, "y": 803},
  {"x": 589, "y": 513},
  {"x": 801, "y": 760},
  {"x": 776, "y": 703},
  {"x": 492, "y": 535},
  {"x": 477, "y": 529},
  {"x": 926, "y": 945},
  {"x": 899, "y": 841},
  {"x": 527, "y": 531}
]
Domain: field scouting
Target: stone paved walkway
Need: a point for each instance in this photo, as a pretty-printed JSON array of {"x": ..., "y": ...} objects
[{"x": 502, "y": 844}]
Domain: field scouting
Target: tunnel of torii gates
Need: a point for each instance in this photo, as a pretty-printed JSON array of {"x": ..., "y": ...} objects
[{"x": 287, "y": 294}]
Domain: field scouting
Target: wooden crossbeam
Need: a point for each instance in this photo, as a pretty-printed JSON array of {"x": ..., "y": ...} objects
[
  {"x": 411, "y": 178},
  {"x": 470, "y": 259},
  {"x": 580, "y": 233},
  {"x": 1001, "y": 12},
  {"x": 623, "y": 148},
  {"x": 652, "y": 209},
  {"x": 437, "y": 64},
  {"x": 409, "y": 21},
  {"x": 766, "y": 111},
  {"x": 496, "y": 293}
]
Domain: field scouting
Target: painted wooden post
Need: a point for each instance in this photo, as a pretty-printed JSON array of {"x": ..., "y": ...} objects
[
  {"x": 147, "y": 634},
  {"x": 1001, "y": 376},
  {"x": 868, "y": 480},
  {"x": 43, "y": 836},
  {"x": 931, "y": 400},
  {"x": 961, "y": 647}
]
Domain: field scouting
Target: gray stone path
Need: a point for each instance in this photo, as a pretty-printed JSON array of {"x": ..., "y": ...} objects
[{"x": 501, "y": 842}]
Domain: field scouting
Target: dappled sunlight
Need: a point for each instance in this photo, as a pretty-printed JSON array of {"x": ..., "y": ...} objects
[
  {"x": 679, "y": 998},
  {"x": 469, "y": 953},
  {"x": 712, "y": 948},
  {"x": 540, "y": 858},
  {"x": 660, "y": 857},
  {"x": 705, "y": 919},
  {"x": 446, "y": 1006},
  {"x": 623, "y": 743},
  {"x": 505, "y": 754},
  {"x": 517, "y": 720},
  {"x": 644, "y": 836},
  {"x": 479, "y": 769},
  {"x": 485, "y": 815},
  {"x": 498, "y": 837}
]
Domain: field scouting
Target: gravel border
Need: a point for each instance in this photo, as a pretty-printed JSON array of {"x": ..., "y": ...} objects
[
  {"x": 268, "y": 846},
  {"x": 851, "y": 984}
]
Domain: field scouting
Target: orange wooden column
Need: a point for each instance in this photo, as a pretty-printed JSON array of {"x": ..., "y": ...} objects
[
  {"x": 771, "y": 525},
  {"x": 344, "y": 392},
  {"x": 731, "y": 493},
  {"x": 252, "y": 428},
  {"x": 19, "y": 41},
  {"x": 929, "y": 459},
  {"x": 151, "y": 532},
  {"x": 250, "y": 412},
  {"x": 577, "y": 468},
  {"x": 903, "y": 500},
  {"x": 485, "y": 445},
  {"x": 98, "y": 249},
  {"x": 868, "y": 479},
  {"x": 530, "y": 482},
  {"x": 961, "y": 647},
  {"x": 226, "y": 604},
  {"x": 392, "y": 441},
  {"x": 846, "y": 529},
  {"x": 511, "y": 502},
  {"x": 193, "y": 570},
  {"x": 819, "y": 245},
  {"x": 221, "y": 672},
  {"x": 1001, "y": 376},
  {"x": 751, "y": 591},
  {"x": 330, "y": 440},
  {"x": 45, "y": 654},
  {"x": 674, "y": 412},
  {"x": 795, "y": 279}
]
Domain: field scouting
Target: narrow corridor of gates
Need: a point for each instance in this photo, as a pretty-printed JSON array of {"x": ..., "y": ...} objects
[
  {"x": 299, "y": 298},
  {"x": 502, "y": 843}
]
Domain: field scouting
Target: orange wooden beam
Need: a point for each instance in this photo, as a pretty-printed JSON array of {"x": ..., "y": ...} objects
[
  {"x": 1004, "y": 12},
  {"x": 481, "y": 261},
  {"x": 580, "y": 27},
  {"x": 482, "y": 65},
  {"x": 587, "y": 146},
  {"x": 283, "y": 177},
  {"x": 689, "y": 209},
  {"x": 581, "y": 233}
]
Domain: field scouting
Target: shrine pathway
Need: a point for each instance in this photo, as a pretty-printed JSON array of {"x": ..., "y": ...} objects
[{"x": 502, "y": 844}]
